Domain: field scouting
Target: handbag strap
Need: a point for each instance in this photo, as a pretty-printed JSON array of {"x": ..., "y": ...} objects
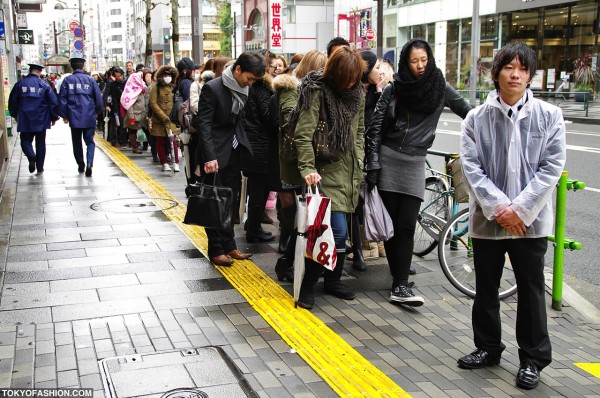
[
  {"x": 323, "y": 109},
  {"x": 216, "y": 180}
]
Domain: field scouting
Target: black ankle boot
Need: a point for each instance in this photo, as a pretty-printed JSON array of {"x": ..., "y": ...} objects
[
  {"x": 333, "y": 283},
  {"x": 284, "y": 269},
  {"x": 284, "y": 240},
  {"x": 358, "y": 260},
  {"x": 312, "y": 273}
]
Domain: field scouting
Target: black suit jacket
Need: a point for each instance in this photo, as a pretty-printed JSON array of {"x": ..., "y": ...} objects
[{"x": 216, "y": 125}]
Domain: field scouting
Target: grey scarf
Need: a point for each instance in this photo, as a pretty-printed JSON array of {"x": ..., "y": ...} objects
[{"x": 240, "y": 94}]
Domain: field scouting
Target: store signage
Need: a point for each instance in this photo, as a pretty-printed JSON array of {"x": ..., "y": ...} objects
[{"x": 276, "y": 25}]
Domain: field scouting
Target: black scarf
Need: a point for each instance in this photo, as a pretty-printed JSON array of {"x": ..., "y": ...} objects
[
  {"x": 424, "y": 94},
  {"x": 340, "y": 109}
]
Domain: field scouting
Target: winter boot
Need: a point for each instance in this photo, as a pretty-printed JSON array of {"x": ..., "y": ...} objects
[
  {"x": 358, "y": 260},
  {"x": 284, "y": 269},
  {"x": 312, "y": 273},
  {"x": 333, "y": 283},
  {"x": 286, "y": 224}
]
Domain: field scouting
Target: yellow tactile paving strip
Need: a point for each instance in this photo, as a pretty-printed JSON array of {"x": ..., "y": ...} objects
[
  {"x": 591, "y": 368},
  {"x": 340, "y": 365}
]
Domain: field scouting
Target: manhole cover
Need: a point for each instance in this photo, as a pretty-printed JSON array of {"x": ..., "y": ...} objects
[
  {"x": 185, "y": 393},
  {"x": 133, "y": 205},
  {"x": 202, "y": 372}
]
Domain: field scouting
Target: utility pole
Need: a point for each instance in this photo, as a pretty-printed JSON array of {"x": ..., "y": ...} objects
[
  {"x": 55, "y": 37},
  {"x": 475, "y": 34},
  {"x": 379, "y": 28},
  {"x": 197, "y": 32}
]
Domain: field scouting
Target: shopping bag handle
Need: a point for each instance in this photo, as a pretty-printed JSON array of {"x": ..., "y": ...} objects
[{"x": 312, "y": 189}]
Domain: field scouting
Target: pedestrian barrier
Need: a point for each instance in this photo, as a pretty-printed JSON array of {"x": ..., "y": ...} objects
[{"x": 560, "y": 242}]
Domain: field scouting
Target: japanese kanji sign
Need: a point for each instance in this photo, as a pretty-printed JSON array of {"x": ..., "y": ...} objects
[{"x": 276, "y": 25}]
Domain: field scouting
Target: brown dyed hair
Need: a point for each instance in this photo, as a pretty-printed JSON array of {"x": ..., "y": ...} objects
[
  {"x": 344, "y": 69},
  {"x": 312, "y": 60},
  {"x": 296, "y": 58},
  {"x": 219, "y": 65}
]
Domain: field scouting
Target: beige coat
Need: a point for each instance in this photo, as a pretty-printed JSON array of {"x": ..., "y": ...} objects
[{"x": 161, "y": 103}]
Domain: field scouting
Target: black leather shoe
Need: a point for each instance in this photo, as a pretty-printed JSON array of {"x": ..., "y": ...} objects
[
  {"x": 260, "y": 236},
  {"x": 477, "y": 359},
  {"x": 81, "y": 168},
  {"x": 31, "y": 165},
  {"x": 88, "y": 171},
  {"x": 528, "y": 377},
  {"x": 337, "y": 289}
]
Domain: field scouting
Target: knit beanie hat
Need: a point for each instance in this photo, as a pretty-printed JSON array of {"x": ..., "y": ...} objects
[{"x": 371, "y": 60}]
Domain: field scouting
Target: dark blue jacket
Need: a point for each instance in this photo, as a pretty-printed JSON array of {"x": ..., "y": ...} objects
[
  {"x": 80, "y": 100},
  {"x": 33, "y": 103}
]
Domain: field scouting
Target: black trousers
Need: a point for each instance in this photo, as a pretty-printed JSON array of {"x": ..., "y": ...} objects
[
  {"x": 258, "y": 193},
  {"x": 221, "y": 241},
  {"x": 403, "y": 210},
  {"x": 527, "y": 259}
]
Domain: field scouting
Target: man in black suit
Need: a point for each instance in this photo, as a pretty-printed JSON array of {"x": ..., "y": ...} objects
[{"x": 222, "y": 138}]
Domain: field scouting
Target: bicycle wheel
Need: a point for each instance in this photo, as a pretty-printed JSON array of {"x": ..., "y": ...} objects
[
  {"x": 432, "y": 216},
  {"x": 456, "y": 258}
]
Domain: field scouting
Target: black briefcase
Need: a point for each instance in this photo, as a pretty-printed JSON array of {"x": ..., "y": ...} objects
[{"x": 209, "y": 206}]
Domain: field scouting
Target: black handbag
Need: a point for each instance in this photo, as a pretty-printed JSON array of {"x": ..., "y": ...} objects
[{"x": 209, "y": 206}]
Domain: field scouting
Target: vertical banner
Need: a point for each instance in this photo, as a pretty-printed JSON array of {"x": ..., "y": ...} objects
[{"x": 276, "y": 26}]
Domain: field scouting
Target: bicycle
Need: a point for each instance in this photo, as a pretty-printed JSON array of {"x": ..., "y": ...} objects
[{"x": 442, "y": 223}]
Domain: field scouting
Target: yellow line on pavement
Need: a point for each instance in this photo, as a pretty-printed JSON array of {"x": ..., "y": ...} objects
[
  {"x": 340, "y": 365},
  {"x": 591, "y": 368}
]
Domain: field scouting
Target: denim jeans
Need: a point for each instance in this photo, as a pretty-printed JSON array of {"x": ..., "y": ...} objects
[{"x": 339, "y": 226}]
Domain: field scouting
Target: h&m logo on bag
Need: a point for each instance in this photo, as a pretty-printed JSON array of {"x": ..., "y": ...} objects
[{"x": 315, "y": 231}]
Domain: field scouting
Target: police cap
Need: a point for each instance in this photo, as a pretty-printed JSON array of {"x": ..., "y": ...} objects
[
  {"x": 77, "y": 62},
  {"x": 35, "y": 67}
]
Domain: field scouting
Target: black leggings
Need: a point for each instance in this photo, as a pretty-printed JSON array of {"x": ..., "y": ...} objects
[{"x": 403, "y": 210}]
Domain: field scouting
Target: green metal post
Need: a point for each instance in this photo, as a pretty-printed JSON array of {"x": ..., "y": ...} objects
[{"x": 559, "y": 238}]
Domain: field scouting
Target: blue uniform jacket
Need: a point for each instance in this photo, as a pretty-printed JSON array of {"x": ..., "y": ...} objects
[
  {"x": 33, "y": 103},
  {"x": 80, "y": 100}
]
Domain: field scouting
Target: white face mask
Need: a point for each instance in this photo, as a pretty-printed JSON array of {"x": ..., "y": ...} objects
[{"x": 167, "y": 79}]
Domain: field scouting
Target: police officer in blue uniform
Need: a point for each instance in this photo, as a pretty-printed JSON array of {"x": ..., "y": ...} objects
[
  {"x": 35, "y": 106},
  {"x": 80, "y": 102}
]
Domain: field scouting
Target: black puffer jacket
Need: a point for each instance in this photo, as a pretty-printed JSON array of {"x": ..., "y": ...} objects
[{"x": 258, "y": 124}]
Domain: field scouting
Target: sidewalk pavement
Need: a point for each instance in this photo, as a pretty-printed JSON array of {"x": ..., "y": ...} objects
[{"x": 103, "y": 290}]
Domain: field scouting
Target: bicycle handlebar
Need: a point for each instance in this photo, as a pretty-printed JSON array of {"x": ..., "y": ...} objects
[{"x": 447, "y": 155}]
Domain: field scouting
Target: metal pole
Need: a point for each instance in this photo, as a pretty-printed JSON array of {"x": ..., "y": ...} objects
[
  {"x": 80, "y": 8},
  {"x": 475, "y": 33},
  {"x": 379, "y": 28},
  {"x": 559, "y": 239},
  {"x": 197, "y": 32},
  {"x": 55, "y": 37},
  {"x": 234, "y": 35}
]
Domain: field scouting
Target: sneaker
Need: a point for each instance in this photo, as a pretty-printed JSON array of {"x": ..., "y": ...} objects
[
  {"x": 403, "y": 294},
  {"x": 166, "y": 167},
  {"x": 176, "y": 167}
]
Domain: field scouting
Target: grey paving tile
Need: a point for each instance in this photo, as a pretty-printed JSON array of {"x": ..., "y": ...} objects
[
  {"x": 93, "y": 283},
  {"x": 146, "y": 290},
  {"x": 102, "y": 309},
  {"x": 190, "y": 299},
  {"x": 49, "y": 275},
  {"x": 128, "y": 268},
  {"x": 67, "y": 378},
  {"x": 82, "y": 245},
  {"x": 109, "y": 259},
  {"x": 24, "y": 266},
  {"x": 22, "y": 289},
  {"x": 42, "y": 315},
  {"x": 202, "y": 272},
  {"x": 45, "y": 255},
  {"x": 49, "y": 299}
]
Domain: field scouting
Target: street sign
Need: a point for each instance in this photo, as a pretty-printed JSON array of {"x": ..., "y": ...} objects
[
  {"x": 73, "y": 25},
  {"x": 22, "y": 21},
  {"x": 370, "y": 34},
  {"x": 45, "y": 55},
  {"x": 78, "y": 32},
  {"x": 2, "y": 30},
  {"x": 78, "y": 44},
  {"x": 25, "y": 36},
  {"x": 77, "y": 54}
]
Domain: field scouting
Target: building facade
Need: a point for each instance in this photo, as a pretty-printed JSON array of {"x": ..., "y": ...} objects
[{"x": 564, "y": 34}]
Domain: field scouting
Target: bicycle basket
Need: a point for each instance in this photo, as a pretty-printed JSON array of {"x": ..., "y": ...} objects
[{"x": 461, "y": 191}]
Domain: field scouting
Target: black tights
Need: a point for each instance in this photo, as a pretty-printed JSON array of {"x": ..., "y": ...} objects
[{"x": 403, "y": 210}]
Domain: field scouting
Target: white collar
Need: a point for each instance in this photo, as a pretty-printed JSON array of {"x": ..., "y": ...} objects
[{"x": 516, "y": 107}]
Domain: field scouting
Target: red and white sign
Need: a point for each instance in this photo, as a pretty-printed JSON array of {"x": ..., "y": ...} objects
[
  {"x": 73, "y": 25},
  {"x": 370, "y": 34},
  {"x": 276, "y": 25}
]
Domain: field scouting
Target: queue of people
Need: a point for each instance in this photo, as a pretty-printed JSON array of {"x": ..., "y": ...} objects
[{"x": 380, "y": 125}]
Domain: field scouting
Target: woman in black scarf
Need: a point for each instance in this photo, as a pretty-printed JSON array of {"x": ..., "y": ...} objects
[{"x": 401, "y": 130}]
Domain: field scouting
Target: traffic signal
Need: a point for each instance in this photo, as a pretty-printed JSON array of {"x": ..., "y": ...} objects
[{"x": 166, "y": 37}]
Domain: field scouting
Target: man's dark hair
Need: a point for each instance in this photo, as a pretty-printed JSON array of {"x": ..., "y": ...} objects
[
  {"x": 250, "y": 61},
  {"x": 506, "y": 54},
  {"x": 336, "y": 41}
]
